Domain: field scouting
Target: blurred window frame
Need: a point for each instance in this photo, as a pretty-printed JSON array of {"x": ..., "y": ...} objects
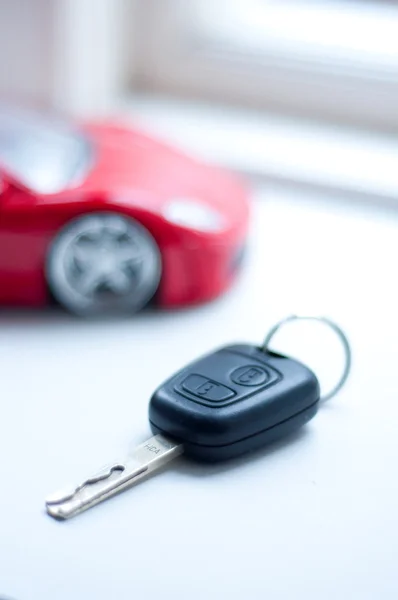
[{"x": 188, "y": 49}]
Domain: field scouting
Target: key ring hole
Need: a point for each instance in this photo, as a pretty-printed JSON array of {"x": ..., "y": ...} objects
[{"x": 305, "y": 348}]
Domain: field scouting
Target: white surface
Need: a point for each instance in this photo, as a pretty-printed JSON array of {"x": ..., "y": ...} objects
[
  {"x": 273, "y": 147},
  {"x": 312, "y": 518}
]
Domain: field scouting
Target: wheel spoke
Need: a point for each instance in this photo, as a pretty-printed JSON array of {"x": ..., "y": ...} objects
[
  {"x": 84, "y": 253},
  {"x": 118, "y": 281},
  {"x": 128, "y": 254},
  {"x": 90, "y": 280}
]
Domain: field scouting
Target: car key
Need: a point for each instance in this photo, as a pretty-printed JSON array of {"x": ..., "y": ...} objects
[{"x": 230, "y": 402}]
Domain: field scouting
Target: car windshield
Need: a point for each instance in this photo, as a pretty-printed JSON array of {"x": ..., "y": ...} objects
[{"x": 45, "y": 155}]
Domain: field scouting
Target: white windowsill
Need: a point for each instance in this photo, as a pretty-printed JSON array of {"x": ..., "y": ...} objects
[
  {"x": 353, "y": 38},
  {"x": 276, "y": 148}
]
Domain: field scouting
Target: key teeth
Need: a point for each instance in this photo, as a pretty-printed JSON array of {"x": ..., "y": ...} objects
[
  {"x": 148, "y": 457},
  {"x": 60, "y": 497}
]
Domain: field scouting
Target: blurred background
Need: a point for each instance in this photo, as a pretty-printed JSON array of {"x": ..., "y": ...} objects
[{"x": 289, "y": 90}]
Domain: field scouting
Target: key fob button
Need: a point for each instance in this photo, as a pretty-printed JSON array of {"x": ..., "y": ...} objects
[
  {"x": 250, "y": 375},
  {"x": 205, "y": 388}
]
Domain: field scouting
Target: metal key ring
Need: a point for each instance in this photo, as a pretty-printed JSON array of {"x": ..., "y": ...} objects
[{"x": 341, "y": 335}]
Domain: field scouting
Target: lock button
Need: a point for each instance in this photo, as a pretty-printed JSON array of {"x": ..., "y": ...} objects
[{"x": 206, "y": 388}]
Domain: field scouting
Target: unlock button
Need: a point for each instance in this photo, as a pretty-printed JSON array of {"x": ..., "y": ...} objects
[{"x": 205, "y": 388}]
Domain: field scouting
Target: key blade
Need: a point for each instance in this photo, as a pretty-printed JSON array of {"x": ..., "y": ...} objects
[{"x": 146, "y": 458}]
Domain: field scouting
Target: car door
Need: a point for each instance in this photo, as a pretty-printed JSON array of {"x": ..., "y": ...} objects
[{"x": 21, "y": 277}]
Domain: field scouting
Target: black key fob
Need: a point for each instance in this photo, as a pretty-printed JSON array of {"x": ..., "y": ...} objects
[{"x": 234, "y": 400}]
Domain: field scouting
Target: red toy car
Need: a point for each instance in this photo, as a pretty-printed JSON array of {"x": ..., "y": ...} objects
[{"x": 102, "y": 218}]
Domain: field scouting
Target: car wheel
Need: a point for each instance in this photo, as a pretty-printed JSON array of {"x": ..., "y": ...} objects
[{"x": 103, "y": 263}]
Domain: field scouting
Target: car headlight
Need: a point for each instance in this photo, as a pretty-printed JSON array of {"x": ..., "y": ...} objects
[{"x": 188, "y": 212}]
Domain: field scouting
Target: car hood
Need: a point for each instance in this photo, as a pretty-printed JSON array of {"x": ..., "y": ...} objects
[{"x": 131, "y": 164}]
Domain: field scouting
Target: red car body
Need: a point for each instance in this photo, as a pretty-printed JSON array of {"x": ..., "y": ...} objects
[{"x": 135, "y": 175}]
